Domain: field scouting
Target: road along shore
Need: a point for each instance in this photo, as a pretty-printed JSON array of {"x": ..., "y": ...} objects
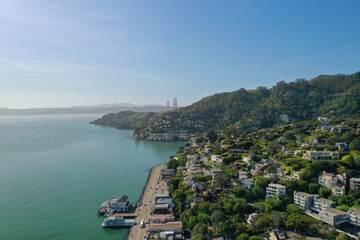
[{"x": 153, "y": 186}]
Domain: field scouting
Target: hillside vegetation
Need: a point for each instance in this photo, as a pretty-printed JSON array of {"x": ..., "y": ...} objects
[{"x": 251, "y": 109}]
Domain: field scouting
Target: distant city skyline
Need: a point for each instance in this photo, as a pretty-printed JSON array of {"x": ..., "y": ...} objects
[{"x": 65, "y": 53}]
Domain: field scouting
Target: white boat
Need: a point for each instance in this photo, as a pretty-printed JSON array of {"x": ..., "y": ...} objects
[{"x": 116, "y": 221}]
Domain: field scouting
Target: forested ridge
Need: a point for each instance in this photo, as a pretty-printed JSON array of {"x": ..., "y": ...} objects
[{"x": 251, "y": 109}]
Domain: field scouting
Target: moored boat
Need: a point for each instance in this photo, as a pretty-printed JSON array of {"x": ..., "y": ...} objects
[{"x": 116, "y": 221}]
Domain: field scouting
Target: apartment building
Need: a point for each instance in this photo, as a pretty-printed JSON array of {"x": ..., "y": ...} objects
[
  {"x": 321, "y": 204},
  {"x": 304, "y": 200},
  {"x": 354, "y": 216},
  {"x": 321, "y": 155},
  {"x": 274, "y": 190},
  {"x": 354, "y": 184},
  {"x": 334, "y": 216}
]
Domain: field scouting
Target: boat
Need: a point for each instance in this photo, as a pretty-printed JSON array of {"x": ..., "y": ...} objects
[
  {"x": 109, "y": 213},
  {"x": 104, "y": 207},
  {"x": 117, "y": 221}
]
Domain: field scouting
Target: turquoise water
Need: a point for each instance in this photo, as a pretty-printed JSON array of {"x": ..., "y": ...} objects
[{"x": 55, "y": 171}]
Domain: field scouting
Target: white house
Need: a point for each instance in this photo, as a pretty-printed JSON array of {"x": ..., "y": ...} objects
[
  {"x": 338, "y": 191},
  {"x": 321, "y": 155},
  {"x": 304, "y": 200},
  {"x": 247, "y": 182},
  {"x": 327, "y": 180},
  {"x": 274, "y": 190},
  {"x": 216, "y": 158}
]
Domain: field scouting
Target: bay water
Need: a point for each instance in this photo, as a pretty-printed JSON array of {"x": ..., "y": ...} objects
[{"x": 56, "y": 170}]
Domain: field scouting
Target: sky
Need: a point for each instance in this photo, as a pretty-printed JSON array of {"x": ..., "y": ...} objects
[{"x": 63, "y": 53}]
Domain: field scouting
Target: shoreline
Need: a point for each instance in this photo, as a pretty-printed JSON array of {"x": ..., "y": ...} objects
[
  {"x": 146, "y": 202},
  {"x": 147, "y": 182}
]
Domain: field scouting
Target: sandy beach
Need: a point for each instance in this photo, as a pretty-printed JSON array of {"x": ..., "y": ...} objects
[{"x": 153, "y": 186}]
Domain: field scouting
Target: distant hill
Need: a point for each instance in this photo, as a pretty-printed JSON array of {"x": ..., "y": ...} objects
[
  {"x": 102, "y": 108},
  {"x": 299, "y": 100}
]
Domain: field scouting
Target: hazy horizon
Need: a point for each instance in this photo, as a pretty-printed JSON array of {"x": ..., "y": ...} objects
[{"x": 70, "y": 53}]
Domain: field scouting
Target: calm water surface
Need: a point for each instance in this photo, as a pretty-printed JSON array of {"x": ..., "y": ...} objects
[{"x": 55, "y": 171}]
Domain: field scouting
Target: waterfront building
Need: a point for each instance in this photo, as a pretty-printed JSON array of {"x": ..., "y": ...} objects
[
  {"x": 163, "y": 208},
  {"x": 354, "y": 184},
  {"x": 174, "y": 229},
  {"x": 119, "y": 204},
  {"x": 334, "y": 216},
  {"x": 274, "y": 190},
  {"x": 164, "y": 199},
  {"x": 321, "y": 204},
  {"x": 304, "y": 200},
  {"x": 162, "y": 218},
  {"x": 168, "y": 174}
]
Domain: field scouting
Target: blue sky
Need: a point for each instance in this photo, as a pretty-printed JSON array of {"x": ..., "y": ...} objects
[{"x": 84, "y": 52}]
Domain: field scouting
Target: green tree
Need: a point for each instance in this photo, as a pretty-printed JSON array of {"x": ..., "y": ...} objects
[
  {"x": 200, "y": 228},
  {"x": 314, "y": 187},
  {"x": 243, "y": 236},
  {"x": 258, "y": 192},
  {"x": 172, "y": 163},
  {"x": 297, "y": 221},
  {"x": 240, "y": 206},
  {"x": 293, "y": 208},
  {"x": 199, "y": 236},
  {"x": 355, "y": 144},
  {"x": 241, "y": 192},
  {"x": 256, "y": 238},
  {"x": 204, "y": 218},
  {"x": 343, "y": 236},
  {"x": 217, "y": 216},
  {"x": 212, "y": 136},
  {"x": 204, "y": 207},
  {"x": 324, "y": 192}
]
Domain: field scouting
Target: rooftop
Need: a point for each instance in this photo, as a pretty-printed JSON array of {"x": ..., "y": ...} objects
[
  {"x": 324, "y": 200},
  {"x": 169, "y": 171},
  {"x": 334, "y": 211},
  {"x": 123, "y": 198},
  {"x": 328, "y": 174},
  {"x": 355, "y": 179},
  {"x": 355, "y": 210},
  {"x": 216, "y": 170},
  {"x": 304, "y": 194},
  {"x": 169, "y": 225},
  {"x": 276, "y": 185},
  {"x": 162, "y": 217},
  {"x": 162, "y": 206}
]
